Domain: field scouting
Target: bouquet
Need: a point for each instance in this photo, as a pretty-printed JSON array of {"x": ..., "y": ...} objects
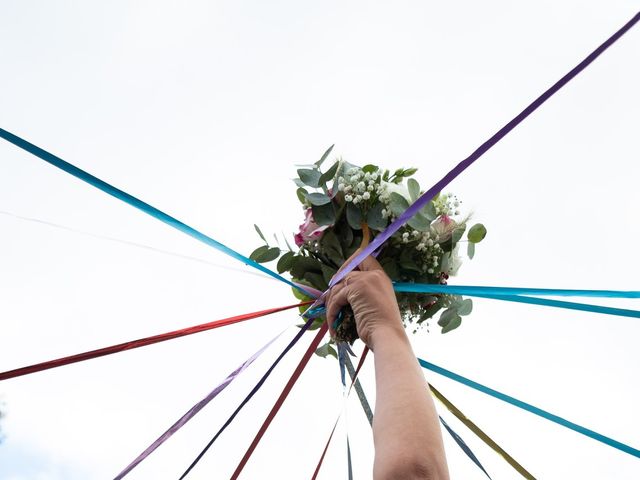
[{"x": 344, "y": 207}]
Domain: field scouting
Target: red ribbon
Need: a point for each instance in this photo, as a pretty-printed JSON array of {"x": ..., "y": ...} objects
[
  {"x": 276, "y": 407},
  {"x": 38, "y": 367}
]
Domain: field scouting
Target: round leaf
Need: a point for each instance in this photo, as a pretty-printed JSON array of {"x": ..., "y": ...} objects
[
  {"x": 465, "y": 307},
  {"x": 414, "y": 188},
  {"x": 477, "y": 233},
  {"x": 317, "y": 198}
]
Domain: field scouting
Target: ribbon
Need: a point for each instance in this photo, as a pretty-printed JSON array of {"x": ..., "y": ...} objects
[
  {"x": 276, "y": 407},
  {"x": 530, "y": 408},
  {"x": 480, "y": 434},
  {"x": 485, "y": 290},
  {"x": 194, "y": 410},
  {"x": 465, "y": 448},
  {"x": 139, "y": 204},
  {"x": 80, "y": 357},
  {"x": 424, "y": 199},
  {"x": 249, "y": 396}
]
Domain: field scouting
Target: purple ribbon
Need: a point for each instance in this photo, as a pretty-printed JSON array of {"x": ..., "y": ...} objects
[
  {"x": 464, "y": 164},
  {"x": 194, "y": 410}
]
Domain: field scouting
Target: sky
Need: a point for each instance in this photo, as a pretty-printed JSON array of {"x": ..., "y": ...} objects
[{"x": 203, "y": 109}]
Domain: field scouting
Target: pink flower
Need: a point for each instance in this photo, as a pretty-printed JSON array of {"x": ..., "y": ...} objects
[
  {"x": 309, "y": 230},
  {"x": 443, "y": 227}
]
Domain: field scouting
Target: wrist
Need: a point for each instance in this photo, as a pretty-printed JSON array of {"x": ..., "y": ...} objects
[{"x": 387, "y": 335}]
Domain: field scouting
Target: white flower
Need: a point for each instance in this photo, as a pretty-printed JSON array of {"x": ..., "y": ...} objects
[
  {"x": 361, "y": 186},
  {"x": 370, "y": 188},
  {"x": 341, "y": 187},
  {"x": 348, "y": 198},
  {"x": 366, "y": 195},
  {"x": 430, "y": 270},
  {"x": 374, "y": 176},
  {"x": 384, "y": 213},
  {"x": 367, "y": 176},
  {"x": 405, "y": 235}
]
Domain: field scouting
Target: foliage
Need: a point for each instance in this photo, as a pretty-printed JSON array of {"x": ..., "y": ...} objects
[{"x": 344, "y": 201}]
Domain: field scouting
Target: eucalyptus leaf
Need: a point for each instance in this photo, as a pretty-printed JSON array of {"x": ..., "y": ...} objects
[
  {"x": 354, "y": 216},
  {"x": 267, "y": 256},
  {"x": 301, "y": 265},
  {"x": 446, "y": 316},
  {"x": 284, "y": 264},
  {"x": 375, "y": 219},
  {"x": 429, "y": 211},
  {"x": 324, "y": 156},
  {"x": 258, "y": 252},
  {"x": 419, "y": 222},
  {"x": 316, "y": 280},
  {"x": 329, "y": 174},
  {"x": 409, "y": 171},
  {"x": 397, "y": 203},
  {"x": 390, "y": 267},
  {"x": 302, "y": 195},
  {"x": 465, "y": 307},
  {"x": 310, "y": 177},
  {"x": 324, "y": 214},
  {"x": 317, "y": 198},
  {"x": 457, "y": 233},
  {"x": 414, "y": 189},
  {"x": 369, "y": 168},
  {"x": 477, "y": 233},
  {"x": 453, "y": 324},
  {"x": 260, "y": 233},
  {"x": 328, "y": 272},
  {"x": 471, "y": 250},
  {"x": 298, "y": 182}
]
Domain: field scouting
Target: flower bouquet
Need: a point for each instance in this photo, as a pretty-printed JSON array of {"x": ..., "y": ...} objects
[{"x": 345, "y": 207}]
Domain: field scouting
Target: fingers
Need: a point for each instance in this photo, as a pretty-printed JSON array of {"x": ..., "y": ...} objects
[{"x": 337, "y": 299}]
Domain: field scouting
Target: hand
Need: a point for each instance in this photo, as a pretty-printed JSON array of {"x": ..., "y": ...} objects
[{"x": 370, "y": 293}]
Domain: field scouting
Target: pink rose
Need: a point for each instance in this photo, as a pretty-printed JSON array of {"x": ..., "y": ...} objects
[{"x": 309, "y": 230}]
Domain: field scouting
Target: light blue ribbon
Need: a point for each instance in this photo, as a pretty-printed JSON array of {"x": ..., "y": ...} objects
[
  {"x": 502, "y": 294},
  {"x": 139, "y": 204},
  {"x": 530, "y": 408},
  {"x": 486, "y": 290}
]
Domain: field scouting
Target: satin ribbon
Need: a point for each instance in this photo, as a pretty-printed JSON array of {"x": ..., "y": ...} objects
[
  {"x": 424, "y": 199},
  {"x": 501, "y": 291},
  {"x": 465, "y": 448},
  {"x": 80, "y": 357},
  {"x": 530, "y": 408},
  {"x": 195, "y": 410},
  {"x": 480, "y": 434},
  {"x": 139, "y": 204}
]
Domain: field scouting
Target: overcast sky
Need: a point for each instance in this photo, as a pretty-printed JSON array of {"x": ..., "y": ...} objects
[{"x": 202, "y": 109}]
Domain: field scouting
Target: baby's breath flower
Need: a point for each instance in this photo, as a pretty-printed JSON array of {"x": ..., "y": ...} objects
[
  {"x": 366, "y": 195},
  {"x": 348, "y": 198}
]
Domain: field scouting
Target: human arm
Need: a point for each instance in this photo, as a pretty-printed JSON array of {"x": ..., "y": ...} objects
[{"x": 406, "y": 433}]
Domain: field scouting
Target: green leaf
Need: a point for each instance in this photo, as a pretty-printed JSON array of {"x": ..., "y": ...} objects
[
  {"x": 329, "y": 174},
  {"x": 385, "y": 176},
  {"x": 310, "y": 177},
  {"x": 260, "y": 233},
  {"x": 419, "y": 222},
  {"x": 409, "y": 171},
  {"x": 397, "y": 203},
  {"x": 265, "y": 256},
  {"x": 298, "y": 182},
  {"x": 328, "y": 273},
  {"x": 390, "y": 267},
  {"x": 354, "y": 216},
  {"x": 447, "y": 316},
  {"x": 284, "y": 264},
  {"x": 375, "y": 219},
  {"x": 317, "y": 198},
  {"x": 326, "y": 350},
  {"x": 471, "y": 250},
  {"x": 301, "y": 265},
  {"x": 369, "y": 168},
  {"x": 302, "y": 195},
  {"x": 457, "y": 233},
  {"x": 431, "y": 310},
  {"x": 258, "y": 252},
  {"x": 453, "y": 324},
  {"x": 414, "y": 189},
  {"x": 316, "y": 280},
  {"x": 324, "y": 156},
  {"x": 477, "y": 233},
  {"x": 429, "y": 211},
  {"x": 465, "y": 307},
  {"x": 331, "y": 245},
  {"x": 324, "y": 214},
  {"x": 301, "y": 296}
]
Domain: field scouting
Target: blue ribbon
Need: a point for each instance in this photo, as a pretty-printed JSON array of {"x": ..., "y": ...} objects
[
  {"x": 486, "y": 290},
  {"x": 530, "y": 408},
  {"x": 139, "y": 204},
  {"x": 462, "y": 444},
  {"x": 501, "y": 294}
]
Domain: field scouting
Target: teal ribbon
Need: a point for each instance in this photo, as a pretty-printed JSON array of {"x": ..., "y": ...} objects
[
  {"x": 530, "y": 408},
  {"x": 482, "y": 290},
  {"x": 139, "y": 204},
  {"x": 500, "y": 293}
]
